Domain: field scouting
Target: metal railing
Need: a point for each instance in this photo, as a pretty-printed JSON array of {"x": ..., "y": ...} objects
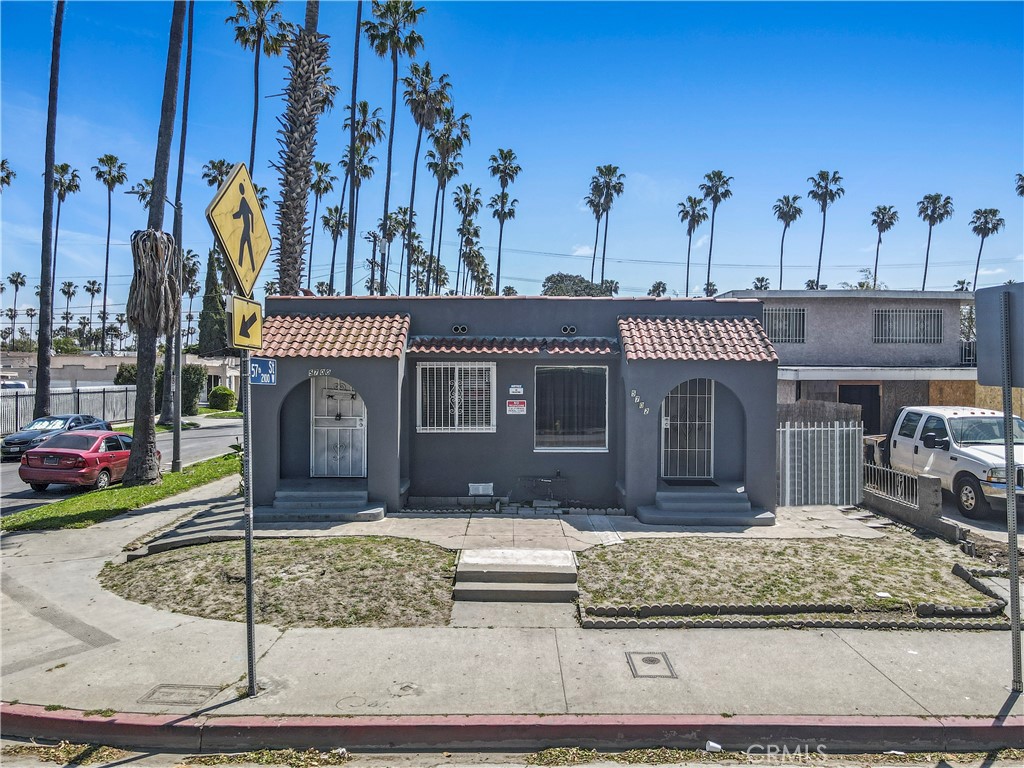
[
  {"x": 968, "y": 354},
  {"x": 109, "y": 403},
  {"x": 820, "y": 463},
  {"x": 892, "y": 484}
]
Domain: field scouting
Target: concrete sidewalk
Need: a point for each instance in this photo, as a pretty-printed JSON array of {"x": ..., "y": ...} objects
[{"x": 507, "y": 675}]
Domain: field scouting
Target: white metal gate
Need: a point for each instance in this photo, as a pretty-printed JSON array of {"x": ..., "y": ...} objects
[
  {"x": 820, "y": 463},
  {"x": 688, "y": 430},
  {"x": 338, "y": 436}
]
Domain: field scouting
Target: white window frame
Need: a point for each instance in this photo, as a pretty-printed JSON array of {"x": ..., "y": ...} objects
[
  {"x": 907, "y": 326},
  {"x": 456, "y": 427},
  {"x": 774, "y": 317},
  {"x": 536, "y": 413}
]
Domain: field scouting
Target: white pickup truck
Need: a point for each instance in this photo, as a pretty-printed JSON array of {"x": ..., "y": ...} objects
[{"x": 964, "y": 448}]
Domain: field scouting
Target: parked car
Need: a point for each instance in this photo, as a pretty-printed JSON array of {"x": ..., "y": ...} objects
[
  {"x": 46, "y": 427},
  {"x": 13, "y": 384},
  {"x": 962, "y": 446},
  {"x": 92, "y": 458}
]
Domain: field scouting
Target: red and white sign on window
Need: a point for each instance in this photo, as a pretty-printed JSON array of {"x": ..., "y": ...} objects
[{"x": 515, "y": 407}]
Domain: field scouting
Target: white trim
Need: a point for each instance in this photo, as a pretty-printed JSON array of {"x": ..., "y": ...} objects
[
  {"x": 536, "y": 413},
  {"x": 823, "y": 372}
]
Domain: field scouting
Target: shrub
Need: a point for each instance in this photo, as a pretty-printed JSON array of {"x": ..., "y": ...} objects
[
  {"x": 193, "y": 381},
  {"x": 65, "y": 345},
  {"x": 222, "y": 399}
]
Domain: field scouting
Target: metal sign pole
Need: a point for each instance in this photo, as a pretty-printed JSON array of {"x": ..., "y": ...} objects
[
  {"x": 250, "y": 612},
  {"x": 1011, "y": 495}
]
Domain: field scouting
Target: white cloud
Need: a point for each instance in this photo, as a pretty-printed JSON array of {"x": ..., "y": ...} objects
[
  {"x": 701, "y": 241},
  {"x": 582, "y": 250},
  {"x": 997, "y": 271}
]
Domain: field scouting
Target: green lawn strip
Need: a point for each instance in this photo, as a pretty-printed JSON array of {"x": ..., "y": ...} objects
[
  {"x": 351, "y": 581},
  {"x": 225, "y": 415},
  {"x": 129, "y": 429},
  {"x": 83, "y": 510},
  {"x": 706, "y": 570}
]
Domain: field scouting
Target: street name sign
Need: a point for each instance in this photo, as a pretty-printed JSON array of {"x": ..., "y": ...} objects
[
  {"x": 237, "y": 222},
  {"x": 262, "y": 370},
  {"x": 246, "y": 323}
]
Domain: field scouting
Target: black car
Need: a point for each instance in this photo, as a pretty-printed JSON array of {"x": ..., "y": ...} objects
[{"x": 44, "y": 428}]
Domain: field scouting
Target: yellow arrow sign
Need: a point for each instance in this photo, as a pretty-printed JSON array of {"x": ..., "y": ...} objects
[
  {"x": 237, "y": 222},
  {"x": 246, "y": 323}
]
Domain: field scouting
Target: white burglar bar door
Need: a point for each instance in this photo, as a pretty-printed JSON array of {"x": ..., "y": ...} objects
[
  {"x": 687, "y": 430},
  {"x": 339, "y": 430}
]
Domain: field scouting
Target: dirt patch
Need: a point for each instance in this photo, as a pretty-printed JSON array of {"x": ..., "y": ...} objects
[
  {"x": 906, "y": 568},
  {"x": 365, "y": 581}
]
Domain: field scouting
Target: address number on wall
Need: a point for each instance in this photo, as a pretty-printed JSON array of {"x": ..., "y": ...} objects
[{"x": 319, "y": 371}]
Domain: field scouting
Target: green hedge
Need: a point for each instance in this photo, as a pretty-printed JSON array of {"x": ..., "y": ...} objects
[
  {"x": 222, "y": 398},
  {"x": 193, "y": 382}
]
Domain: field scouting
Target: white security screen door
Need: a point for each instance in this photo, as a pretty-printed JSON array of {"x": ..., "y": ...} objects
[
  {"x": 338, "y": 440},
  {"x": 687, "y": 430}
]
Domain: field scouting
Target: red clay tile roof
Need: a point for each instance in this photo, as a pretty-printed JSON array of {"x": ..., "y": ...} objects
[
  {"x": 508, "y": 345},
  {"x": 347, "y": 336},
  {"x": 687, "y": 338}
]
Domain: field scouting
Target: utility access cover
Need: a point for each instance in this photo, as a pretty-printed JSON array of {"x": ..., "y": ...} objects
[
  {"x": 650, "y": 664},
  {"x": 237, "y": 222},
  {"x": 182, "y": 695}
]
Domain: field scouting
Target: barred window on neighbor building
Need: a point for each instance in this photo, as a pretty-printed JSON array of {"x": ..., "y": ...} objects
[
  {"x": 785, "y": 325},
  {"x": 908, "y": 326},
  {"x": 456, "y": 397}
]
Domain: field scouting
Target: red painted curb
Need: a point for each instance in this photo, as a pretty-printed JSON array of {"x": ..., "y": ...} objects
[{"x": 476, "y": 732}]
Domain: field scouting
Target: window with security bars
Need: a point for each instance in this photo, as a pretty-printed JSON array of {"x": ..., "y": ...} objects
[
  {"x": 785, "y": 325},
  {"x": 456, "y": 397},
  {"x": 908, "y": 326}
]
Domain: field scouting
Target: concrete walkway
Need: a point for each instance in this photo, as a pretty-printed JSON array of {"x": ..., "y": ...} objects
[{"x": 68, "y": 642}]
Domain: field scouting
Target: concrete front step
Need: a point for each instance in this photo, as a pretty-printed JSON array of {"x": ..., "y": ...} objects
[
  {"x": 705, "y": 517},
  {"x": 699, "y": 493},
  {"x": 346, "y": 514},
  {"x": 352, "y": 495},
  {"x": 516, "y": 575},
  {"x": 321, "y": 503},
  {"x": 515, "y": 593},
  {"x": 729, "y": 506}
]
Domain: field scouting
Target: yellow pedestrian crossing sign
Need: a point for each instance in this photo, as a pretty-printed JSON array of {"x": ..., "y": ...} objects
[
  {"x": 246, "y": 323},
  {"x": 237, "y": 222}
]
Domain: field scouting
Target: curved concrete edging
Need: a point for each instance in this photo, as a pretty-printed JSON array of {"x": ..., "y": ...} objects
[{"x": 205, "y": 733}]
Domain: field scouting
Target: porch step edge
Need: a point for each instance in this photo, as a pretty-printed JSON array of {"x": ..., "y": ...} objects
[
  {"x": 515, "y": 592},
  {"x": 652, "y": 515}
]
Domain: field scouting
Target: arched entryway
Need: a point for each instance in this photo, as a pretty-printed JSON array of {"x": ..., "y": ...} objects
[
  {"x": 337, "y": 429},
  {"x": 688, "y": 431}
]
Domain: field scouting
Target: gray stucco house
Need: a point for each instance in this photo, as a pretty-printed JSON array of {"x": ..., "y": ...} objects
[{"x": 665, "y": 407}]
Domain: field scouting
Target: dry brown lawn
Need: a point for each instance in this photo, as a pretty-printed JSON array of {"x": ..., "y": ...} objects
[{"x": 365, "y": 581}]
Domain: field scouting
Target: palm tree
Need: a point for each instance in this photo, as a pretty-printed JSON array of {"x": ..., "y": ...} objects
[
  {"x": 366, "y": 129},
  {"x": 84, "y": 328},
  {"x": 66, "y": 181},
  {"x": 67, "y": 317},
  {"x": 259, "y": 28},
  {"x": 334, "y": 223},
  {"x": 883, "y": 218},
  {"x": 425, "y": 98},
  {"x": 362, "y": 170},
  {"x": 693, "y": 212},
  {"x": 322, "y": 184},
  {"x": 68, "y": 289},
  {"x": 270, "y": 288},
  {"x": 350, "y": 246},
  {"x": 17, "y": 281},
  {"x": 1020, "y": 184},
  {"x": 657, "y": 290},
  {"x": 7, "y": 174},
  {"x": 933, "y": 209},
  {"x": 216, "y": 171},
  {"x": 391, "y": 34},
  {"x": 504, "y": 166},
  {"x": 984, "y": 222},
  {"x": 595, "y": 202},
  {"x": 30, "y": 313},
  {"x": 825, "y": 189},
  {"x": 144, "y": 191},
  {"x": 787, "y": 211},
  {"x": 110, "y": 172},
  {"x": 611, "y": 185},
  {"x": 93, "y": 288},
  {"x": 444, "y": 162},
  {"x": 467, "y": 202},
  {"x": 716, "y": 189},
  {"x": 121, "y": 318}
]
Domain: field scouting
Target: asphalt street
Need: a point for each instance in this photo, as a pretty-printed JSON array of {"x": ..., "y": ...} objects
[{"x": 213, "y": 438}]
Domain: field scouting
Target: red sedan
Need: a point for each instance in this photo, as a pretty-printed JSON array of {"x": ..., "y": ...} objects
[{"x": 92, "y": 458}]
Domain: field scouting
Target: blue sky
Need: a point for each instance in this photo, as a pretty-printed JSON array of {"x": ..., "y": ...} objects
[{"x": 903, "y": 99}]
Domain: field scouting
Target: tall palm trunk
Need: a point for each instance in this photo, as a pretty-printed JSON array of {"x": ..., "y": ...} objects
[
  {"x": 406, "y": 245},
  {"x": 593, "y": 258},
  {"x": 689, "y": 248},
  {"x": 312, "y": 236},
  {"x": 387, "y": 180},
  {"x": 106, "y": 272},
  {"x": 497, "y": 272},
  {"x": 927, "y": 251},
  {"x": 351, "y": 244},
  {"x": 821, "y": 249},
  {"x": 335, "y": 234},
  {"x": 440, "y": 233},
  {"x": 874, "y": 274},
  {"x": 41, "y": 406},
  {"x": 977, "y": 264},
  {"x": 711, "y": 243},
  {"x": 433, "y": 232},
  {"x": 53, "y": 270},
  {"x": 255, "y": 101},
  {"x": 782, "y": 250},
  {"x": 604, "y": 247},
  {"x": 143, "y": 467}
]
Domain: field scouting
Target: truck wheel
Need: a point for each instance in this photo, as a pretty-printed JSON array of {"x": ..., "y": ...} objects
[{"x": 969, "y": 498}]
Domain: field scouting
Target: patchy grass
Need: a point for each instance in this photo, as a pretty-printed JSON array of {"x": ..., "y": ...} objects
[
  {"x": 129, "y": 429},
  {"x": 83, "y": 510},
  {"x": 911, "y": 569},
  {"x": 559, "y": 756},
  {"x": 66, "y": 753},
  {"x": 290, "y": 757},
  {"x": 365, "y": 581},
  {"x": 225, "y": 415}
]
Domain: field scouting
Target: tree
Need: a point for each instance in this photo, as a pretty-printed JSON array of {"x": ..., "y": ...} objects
[
  {"x": 30, "y": 313},
  {"x": 144, "y": 191},
  {"x": 334, "y": 223},
  {"x": 448, "y": 139},
  {"x": 350, "y": 246},
  {"x": 121, "y": 318},
  {"x": 761, "y": 284},
  {"x": 811, "y": 285},
  {"x": 366, "y": 128},
  {"x": 269, "y": 287},
  {"x": 505, "y": 167},
  {"x": 710, "y": 289},
  {"x": 467, "y": 202},
  {"x": 883, "y": 218},
  {"x": 17, "y": 281},
  {"x": 868, "y": 282},
  {"x": 693, "y": 213},
  {"x": 564, "y": 284},
  {"x": 658, "y": 290},
  {"x": 716, "y": 189},
  {"x": 66, "y": 181},
  {"x": 610, "y": 182},
  {"x": 7, "y": 174},
  {"x": 962, "y": 286},
  {"x": 68, "y": 289},
  {"x": 787, "y": 211},
  {"x": 151, "y": 306},
  {"x": 110, "y": 172},
  {"x": 361, "y": 171},
  {"x": 595, "y": 202},
  {"x": 984, "y": 222},
  {"x": 304, "y": 103},
  {"x": 933, "y": 209},
  {"x": 213, "y": 321},
  {"x": 259, "y": 28},
  {"x": 391, "y": 34},
  {"x": 425, "y": 98},
  {"x": 323, "y": 288},
  {"x": 1020, "y": 184},
  {"x": 93, "y": 288},
  {"x": 825, "y": 189},
  {"x": 509, "y": 290},
  {"x": 322, "y": 184}
]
